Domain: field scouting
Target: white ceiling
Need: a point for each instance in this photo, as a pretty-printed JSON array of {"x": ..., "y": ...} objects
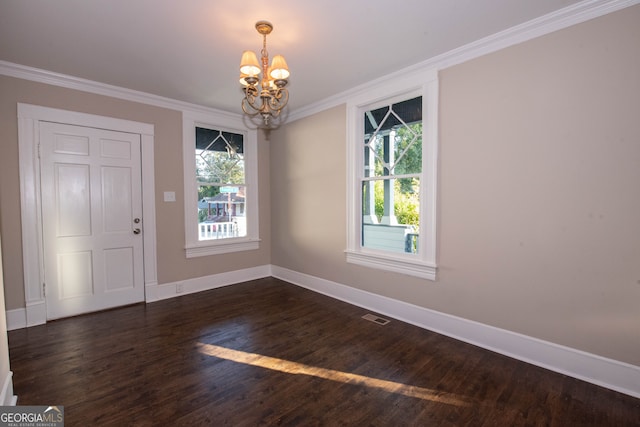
[{"x": 189, "y": 50}]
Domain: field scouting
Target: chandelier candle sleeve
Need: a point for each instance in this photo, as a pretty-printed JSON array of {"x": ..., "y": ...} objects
[{"x": 264, "y": 89}]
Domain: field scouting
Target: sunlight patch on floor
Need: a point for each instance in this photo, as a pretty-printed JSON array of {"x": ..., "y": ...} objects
[{"x": 289, "y": 367}]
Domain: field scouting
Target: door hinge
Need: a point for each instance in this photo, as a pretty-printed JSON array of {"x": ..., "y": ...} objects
[
  {"x": 44, "y": 289},
  {"x": 38, "y": 150}
]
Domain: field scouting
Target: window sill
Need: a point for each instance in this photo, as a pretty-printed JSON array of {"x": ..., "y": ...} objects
[
  {"x": 221, "y": 247},
  {"x": 395, "y": 264}
]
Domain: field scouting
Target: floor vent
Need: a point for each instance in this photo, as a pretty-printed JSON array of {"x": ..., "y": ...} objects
[{"x": 375, "y": 319}]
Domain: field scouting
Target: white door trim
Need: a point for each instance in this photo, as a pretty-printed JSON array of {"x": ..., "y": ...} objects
[{"x": 29, "y": 117}]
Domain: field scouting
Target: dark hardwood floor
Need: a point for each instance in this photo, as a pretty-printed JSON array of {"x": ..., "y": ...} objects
[{"x": 267, "y": 352}]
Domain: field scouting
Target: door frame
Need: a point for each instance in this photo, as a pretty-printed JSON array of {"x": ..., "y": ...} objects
[{"x": 29, "y": 118}]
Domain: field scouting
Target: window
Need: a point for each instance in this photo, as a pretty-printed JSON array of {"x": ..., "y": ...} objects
[
  {"x": 392, "y": 173},
  {"x": 219, "y": 158},
  {"x": 220, "y": 186}
]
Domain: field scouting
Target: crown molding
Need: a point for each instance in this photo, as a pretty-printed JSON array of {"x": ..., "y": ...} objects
[
  {"x": 546, "y": 24},
  {"x": 70, "y": 82},
  {"x": 563, "y": 18}
]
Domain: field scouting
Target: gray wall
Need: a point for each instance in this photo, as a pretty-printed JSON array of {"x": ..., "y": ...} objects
[
  {"x": 539, "y": 206},
  {"x": 171, "y": 261}
]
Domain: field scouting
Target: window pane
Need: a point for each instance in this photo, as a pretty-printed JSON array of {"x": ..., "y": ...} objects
[
  {"x": 219, "y": 157},
  {"x": 408, "y": 149},
  {"x": 221, "y": 212},
  {"x": 378, "y": 151},
  {"x": 393, "y": 139},
  {"x": 391, "y": 214}
]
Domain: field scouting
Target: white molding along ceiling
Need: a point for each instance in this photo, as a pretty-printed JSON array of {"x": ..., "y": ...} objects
[{"x": 88, "y": 55}]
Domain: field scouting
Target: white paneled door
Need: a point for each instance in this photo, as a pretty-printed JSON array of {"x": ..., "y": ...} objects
[{"x": 92, "y": 218}]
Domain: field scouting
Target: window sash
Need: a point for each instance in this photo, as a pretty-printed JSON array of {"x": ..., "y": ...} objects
[
  {"x": 418, "y": 83},
  {"x": 194, "y": 247}
]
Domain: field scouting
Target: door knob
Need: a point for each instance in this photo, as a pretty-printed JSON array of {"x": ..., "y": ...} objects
[{"x": 136, "y": 231}]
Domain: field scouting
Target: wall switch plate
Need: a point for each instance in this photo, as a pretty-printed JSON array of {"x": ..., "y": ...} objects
[{"x": 169, "y": 196}]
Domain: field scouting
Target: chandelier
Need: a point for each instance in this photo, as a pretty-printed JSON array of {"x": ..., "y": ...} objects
[{"x": 265, "y": 95}]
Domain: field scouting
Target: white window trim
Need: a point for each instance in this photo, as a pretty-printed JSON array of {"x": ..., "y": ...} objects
[
  {"x": 194, "y": 247},
  {"x": 421, "y": 83}
]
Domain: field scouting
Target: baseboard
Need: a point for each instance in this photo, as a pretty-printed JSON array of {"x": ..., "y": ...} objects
[
  {"x": 35, "y": 314},
  {"x": 199, "y": 284},
  {"x": 16, "y": 319},
  {"x": 7, "y": 398},
  {"x": 609, "y": 373}
]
